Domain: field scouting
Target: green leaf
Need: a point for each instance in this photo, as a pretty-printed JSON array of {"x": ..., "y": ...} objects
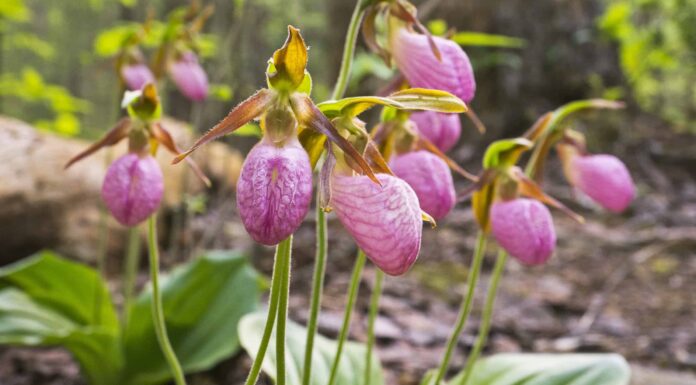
[
  {"x": 203, "y": 302},
  {"x": 411, "y": 99},
  {"x": 48, "y": 301},
  {"x": 487, "y": 40},
  {"x": 351, "y": 369},
  {"x": 549, "y": 369},
  {"x": 112, "y": 40},
  {"x": 505, "y": 152},
  {"x": 14, "y": 10}
]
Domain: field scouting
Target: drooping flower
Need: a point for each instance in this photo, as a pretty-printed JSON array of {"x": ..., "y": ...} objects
[
  {"x": 385, "y": 220},
  {"x": 274, "y": 190},
  {"x": 136, "y": 75},
  {"x": 524, "y": 228},
  {"x": 443, "y": 130},
  {"x": 189, "y": 77},
  {"x": 430, "y": 178},
  {"x": 133, "y": 188},
  {"x": 416, "y": 60},
  {"x": 605, "y": 179}
]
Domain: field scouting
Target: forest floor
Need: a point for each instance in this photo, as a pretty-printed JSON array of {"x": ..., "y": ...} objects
[{"x": 620, "y": 284}]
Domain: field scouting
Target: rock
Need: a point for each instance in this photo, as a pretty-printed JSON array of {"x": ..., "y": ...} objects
[{"x": 44, "y": 206}]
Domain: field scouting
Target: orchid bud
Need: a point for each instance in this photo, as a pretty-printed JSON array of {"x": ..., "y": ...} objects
[
  {"x": 605, "y": 179},
  {"x": 430, "y": 178},
  {"x": 136, "y": 76},
  {"x": 524, "y": 228},
  {"x": 133, "y": 188},
  {"x": 189, "y": 76},
  {"x": 385, "y": 220},
  {"x": 417, "y": 62},
  {"x": 440, "y": 129},
  {"x": 274, "y": 190}
]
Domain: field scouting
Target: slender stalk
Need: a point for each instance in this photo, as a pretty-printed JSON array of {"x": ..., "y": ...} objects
[
  {"x": 372, "y": 318},
  {"x": 130, "y": 271},
  {"x": 348, "y": 50},
  {"x": 276, "y": 281},
  {"x": 465, "y": 308},
  {"x": 282, "y": 318},
  {"x": 157, "y": 310},
  {"x": 350, "y": 303},
  {"x": 317, "y": 286},
  {"x": 487, "y": 314}
]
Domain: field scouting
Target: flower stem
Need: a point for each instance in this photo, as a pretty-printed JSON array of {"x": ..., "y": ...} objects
[
  {"x": 278, "y": 270},
  {"x": 348, "y": 50},
  {"x": 487, "y": 314},
  {"x": 350, "y": 302},
  {"x": 284, "y": 291},
  {"x": 465, "y": 308},
  {"x": 317, "y": 287},
  {"x": 130, "y": 270},
  {"x": 157, "y": 309},
  {"x": 372, "y": 318}
]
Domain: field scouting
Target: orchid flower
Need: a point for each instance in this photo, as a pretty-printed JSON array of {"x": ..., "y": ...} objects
[
  {"x": 189, "y": 77},
  {"x": 442, "y": 130}
]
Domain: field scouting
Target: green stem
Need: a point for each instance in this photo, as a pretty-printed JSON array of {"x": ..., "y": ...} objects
[
  {"x": 284, "y": 292},
  {"x": 465, "y": 308},
  {"x": 372, "y": 318},
  {"x": 350, "y": 302},
  {"x": 157, "y": 309},
  {"x": 348, "y": 50},
  {"x": 276, "y": 281},
  {"x": 130, "y": 271},
  {"x": 317, "y": 286},
  {"x": 487, "y": 314}
]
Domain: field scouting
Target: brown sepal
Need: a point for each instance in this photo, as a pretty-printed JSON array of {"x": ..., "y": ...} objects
[
  {"x": 113, "y": 136},
  {"x": 165, "y": 138}
]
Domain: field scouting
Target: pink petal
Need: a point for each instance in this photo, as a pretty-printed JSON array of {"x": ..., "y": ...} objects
[
  {"x": 274, "y": 190},
  {"x": 136, "y": 76},
  {"x": 190, "y": 77},
  {"x": 384, "y": 221},
  {"x": 605, "y": 179},
  {"x": 430, "y": 178},
  {"x": 133, "y": 188},
  {"x": 443, "y": 130},
  {"x": 415, "y": 59},
  {"x": 524, "y": 228}
]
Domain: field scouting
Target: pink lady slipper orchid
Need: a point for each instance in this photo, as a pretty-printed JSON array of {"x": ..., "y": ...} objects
[
  {"x": 430, "y": 178},
  {"x": 604, "y": 178},
  {"x": 133, "y": 188},
  {"x": 274, "y": 190},
  {"x": 524, "y": 228},
  {"x": 442, "y": 130},
  {"x": 385, "y": 220},
  {"x": 189, "y": 77},
  {"x": 136, "y": 75},
  {"x": 416, "y": 60}
]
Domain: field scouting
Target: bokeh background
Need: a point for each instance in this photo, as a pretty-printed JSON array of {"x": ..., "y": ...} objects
[{"x": 621, "y": 284}]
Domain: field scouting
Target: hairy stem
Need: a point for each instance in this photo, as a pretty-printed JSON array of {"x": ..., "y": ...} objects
[
  {"x": 276, "y": 281},
  {"x": 317, "y": 287},
  {"x": 465, "y": 308},
  {"x": 157, "y": 309},
  {"x": 487, "y": 314},
  {"x": 372, "y": 318},
  {"x": 283, "y": 293},
  {"x": 130, "y": 271},
  {"x": 348, "y": 51},
  {"x": 347, "y": 315}
]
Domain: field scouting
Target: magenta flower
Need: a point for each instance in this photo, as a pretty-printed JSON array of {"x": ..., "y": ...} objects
[
  {"x": 274, "y": 190},
  {"x": 417, "y": 62},
  {"x": 524, "y": 228},
  {"x": 136, "y": 75},
  {"x": 443, "y": 130},
  {"x": 385, "y": 221},
  {"x": 430, "y": 178},
  {"x": 189, "y": 76},
  {"x": 605, "y": 179},
  {"x": 133, "y": 188}
]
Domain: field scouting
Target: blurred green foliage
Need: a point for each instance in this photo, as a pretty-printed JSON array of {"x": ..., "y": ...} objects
[{"x": 657, "y": 49}]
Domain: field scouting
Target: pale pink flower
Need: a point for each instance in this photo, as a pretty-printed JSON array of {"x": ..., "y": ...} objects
[
  {"x": 189, "y": 77},
  {"x": 524, "y": 228},
  {"x": 133, "y": 188},
  {"x": 605, "y": 179},
  {"x": 443, "y": 130},
  {"x": 136, "y": 75}
]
